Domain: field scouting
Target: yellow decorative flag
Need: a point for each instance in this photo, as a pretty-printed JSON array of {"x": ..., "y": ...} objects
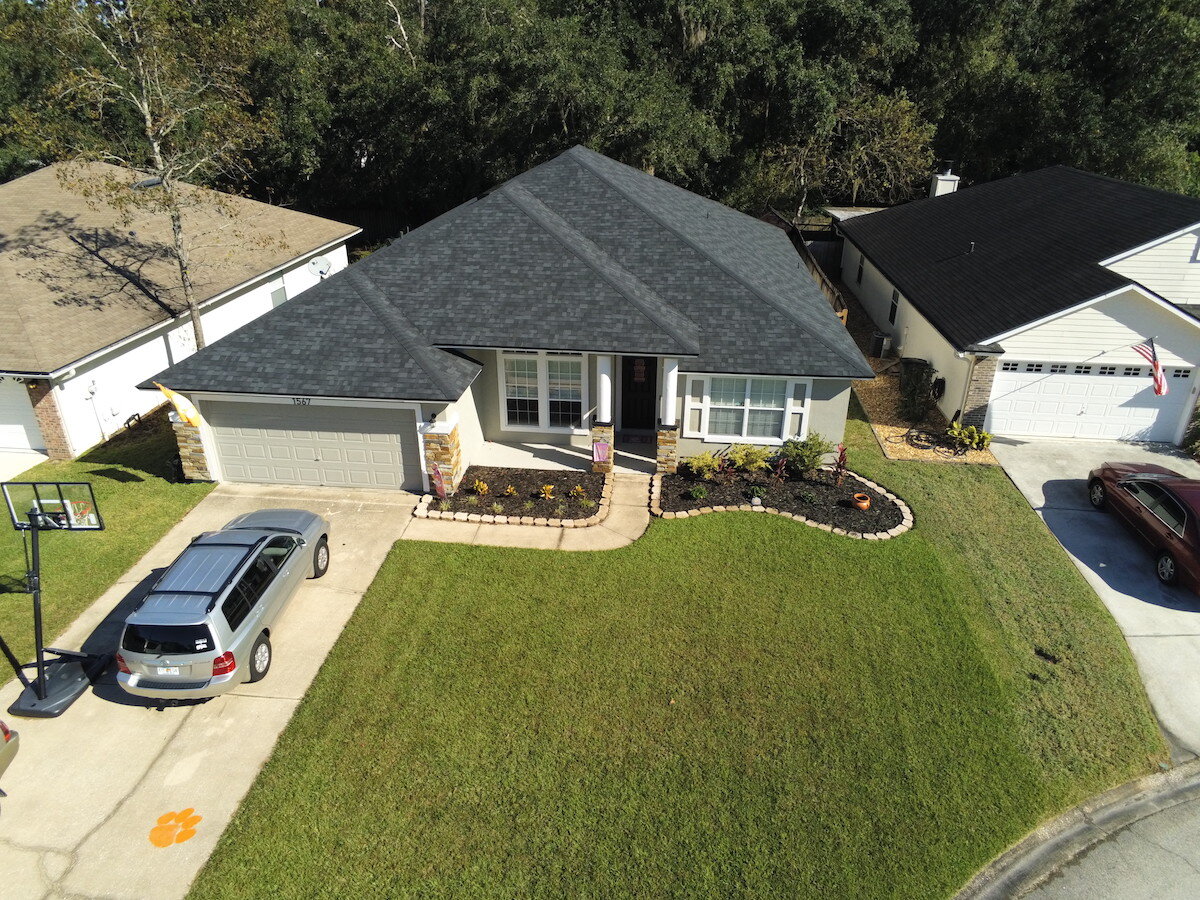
[{"x": 182, "y": 405}]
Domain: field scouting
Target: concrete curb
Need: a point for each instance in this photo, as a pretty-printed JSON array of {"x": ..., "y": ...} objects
[
  {"x": 423, "y": 511},
  {"x": 906, "y": 512},
  {"x": 1054, "y": 844}
]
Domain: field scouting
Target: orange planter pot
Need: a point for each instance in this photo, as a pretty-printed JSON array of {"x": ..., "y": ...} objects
[{"x": 862, "y": 501}]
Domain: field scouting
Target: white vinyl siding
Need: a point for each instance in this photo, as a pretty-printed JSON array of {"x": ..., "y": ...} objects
[
  {"x": 745, "y": 408},
  {"x": 1170, "y": 269},
  {"x": 542, "y": 391},
  {"x": 1105, "y": 332}
]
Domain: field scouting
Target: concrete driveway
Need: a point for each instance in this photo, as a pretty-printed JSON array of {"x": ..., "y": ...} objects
[
  {"x": 1161, "y": 624},
  {"x": 88, "y": 789}
]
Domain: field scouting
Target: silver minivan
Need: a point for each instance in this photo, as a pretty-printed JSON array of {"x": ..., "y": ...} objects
[{"x": 205, "y": 626}]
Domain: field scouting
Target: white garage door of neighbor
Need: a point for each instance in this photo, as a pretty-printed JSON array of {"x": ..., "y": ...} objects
[
  {"x": 339, "y": 446},
  {"x": 1081, "y": 400},
  {"x": 18, "y": 427}
]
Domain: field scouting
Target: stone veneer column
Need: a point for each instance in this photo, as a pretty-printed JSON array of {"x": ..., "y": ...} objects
[
  {"x": 443, "y": 448},
  {"x": 45, "y": 410},
  {"x": 604, "y": 432},
  {"x": 980, "y": 391},
  {"x": 668, "y": 449},
  {"x": 191, "y": 449}
]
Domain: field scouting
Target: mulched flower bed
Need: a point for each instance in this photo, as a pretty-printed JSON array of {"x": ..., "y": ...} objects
[
  {"x": 528, "y": 499},
  {"x": 817, "y": 498}
]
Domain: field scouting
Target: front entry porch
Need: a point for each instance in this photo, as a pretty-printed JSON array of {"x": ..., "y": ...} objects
[{"x": 629, "y": 459}]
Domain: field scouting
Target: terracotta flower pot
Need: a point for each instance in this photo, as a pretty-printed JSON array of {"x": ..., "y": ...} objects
[{"x": 862, "y": 501}]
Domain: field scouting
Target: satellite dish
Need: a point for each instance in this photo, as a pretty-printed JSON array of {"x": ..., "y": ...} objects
[{"x": 320, "y": 266}]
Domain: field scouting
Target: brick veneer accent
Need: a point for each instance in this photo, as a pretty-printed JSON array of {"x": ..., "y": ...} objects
[
  {"x": 191, "y": 451},
  {"x": 604, "y": 432},
  {"x": 979, "y": 392},
  {"x": 668, "y": 450},
  {"x": 445, "y": 450},
  {"x": 45, "y": 410}
]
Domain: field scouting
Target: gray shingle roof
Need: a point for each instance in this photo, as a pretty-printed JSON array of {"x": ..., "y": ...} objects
[
  {"x": 1038, "y": 240},
  {"x": 581, "y": 253}
]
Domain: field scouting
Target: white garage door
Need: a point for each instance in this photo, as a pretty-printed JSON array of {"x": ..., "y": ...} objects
[
  {"x": 18, "y": 427},
  {"x": 1084, "y": 400},
  {"x": 340, "y": 446}
]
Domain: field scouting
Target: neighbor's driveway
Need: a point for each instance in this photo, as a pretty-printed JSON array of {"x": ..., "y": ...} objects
[
  {"x": 1161, "y": 624},
  {"x": 86, "y": 788}
]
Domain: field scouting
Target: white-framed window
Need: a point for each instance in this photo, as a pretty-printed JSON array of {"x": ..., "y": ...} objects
[
  {"x": 1180, "y": 373},
  {"x": 1009, "y": 367},
  {"x": 894, "y": 308},
  {"x": 746, "y": 408},
  {"x": 1058, "y": 368},
  {"x": 542, "y": 391},
  {"x": 858, "y": 274},
  {"x": 1083, "y": 370},
  {"x": 1107, "y": 370},
  {"x": 1033, "y": 367},
  {"x": 1132, "y": 371}
]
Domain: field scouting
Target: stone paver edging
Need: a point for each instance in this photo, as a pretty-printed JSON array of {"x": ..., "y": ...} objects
[
  {"x": 905, "y": 524},
  {"x": 424, "y": 512}
]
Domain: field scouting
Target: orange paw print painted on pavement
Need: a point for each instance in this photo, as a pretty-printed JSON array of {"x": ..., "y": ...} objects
[{"x": 175, "y": 828}]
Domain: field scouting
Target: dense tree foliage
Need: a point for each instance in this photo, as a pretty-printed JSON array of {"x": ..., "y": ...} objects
[{"x": 404, "y": 108}]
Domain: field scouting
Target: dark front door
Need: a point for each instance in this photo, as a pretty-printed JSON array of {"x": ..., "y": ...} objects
[{"x": 639, "y": 379}]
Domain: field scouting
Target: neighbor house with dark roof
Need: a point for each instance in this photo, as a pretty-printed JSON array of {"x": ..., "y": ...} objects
[
  {"x": 580, "y": 308},
  {"x": 1028, "y": 295},
  {"x": 90, "y": 303}
]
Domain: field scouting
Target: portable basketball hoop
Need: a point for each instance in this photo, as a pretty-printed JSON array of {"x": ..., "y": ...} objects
[{"x": 35, "y": 507}]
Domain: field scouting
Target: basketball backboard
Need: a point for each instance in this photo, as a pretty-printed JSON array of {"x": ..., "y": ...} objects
[{"x": 66, "y": 505}]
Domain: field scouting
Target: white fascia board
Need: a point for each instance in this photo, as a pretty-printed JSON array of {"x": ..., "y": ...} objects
[
  {"x": 290, "y": 400},
  {"x": 1132, "y": 286},
  {"x": 211, "y": 301},
  {"x": 1125, "y": 254}
]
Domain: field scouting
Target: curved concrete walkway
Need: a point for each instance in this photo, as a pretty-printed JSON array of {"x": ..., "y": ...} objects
[
  {"x": 1135, "y": 841},
  {"x": 627, "y": 520}
]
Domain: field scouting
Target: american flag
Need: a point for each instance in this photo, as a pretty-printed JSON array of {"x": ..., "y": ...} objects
[{"x": 1146, "y": 349}]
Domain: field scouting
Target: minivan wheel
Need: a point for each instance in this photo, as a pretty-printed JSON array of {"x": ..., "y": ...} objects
[
  {"x": 321, "y": 558},
  {"x": 260, "y": 658},
  {"x": 1097, "y": 494},
  {"x": 1164, "y": 568}
]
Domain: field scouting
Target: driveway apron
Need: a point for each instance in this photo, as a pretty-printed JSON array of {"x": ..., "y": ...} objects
[
  {"x": 120, "y": 798},
  {"x": 1161, "y": 624}
]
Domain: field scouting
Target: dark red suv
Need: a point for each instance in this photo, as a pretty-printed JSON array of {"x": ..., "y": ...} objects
[{"x": 1160, "y": 505}]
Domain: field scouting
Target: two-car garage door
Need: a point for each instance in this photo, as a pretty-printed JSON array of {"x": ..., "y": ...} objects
[
  {"x": 1084, "y": 400},
  {"x": 341, "y": 446}
]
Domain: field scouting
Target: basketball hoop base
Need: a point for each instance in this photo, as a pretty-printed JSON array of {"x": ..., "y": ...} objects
[{"x": 66, "y": 680}]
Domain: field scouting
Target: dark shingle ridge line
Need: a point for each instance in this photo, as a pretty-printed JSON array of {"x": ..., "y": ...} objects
[
  {"x": 683, "y": 330},
  {"x": 402, "y": 329},
  {"x": 811, "y": 328}
]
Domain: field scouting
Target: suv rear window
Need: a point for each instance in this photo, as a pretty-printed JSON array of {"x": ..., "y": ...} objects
[{"x": 168, "y": 639}]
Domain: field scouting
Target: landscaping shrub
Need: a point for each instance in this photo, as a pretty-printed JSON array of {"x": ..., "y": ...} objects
[
  {"x": 805, "y": 457},
  {"x": 704, "y": 465},
  {"x": 749, "y": 458},
  {"x": 968, "y": 437},
  {"x": 698, "y": 492}
]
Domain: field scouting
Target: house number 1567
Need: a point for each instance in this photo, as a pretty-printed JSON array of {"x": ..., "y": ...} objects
[{"x": 302, "y": 401}]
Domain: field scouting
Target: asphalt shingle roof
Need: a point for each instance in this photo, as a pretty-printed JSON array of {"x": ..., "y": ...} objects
[
  {"x": 578, "y": 254},
  {"x": 1038, "y": 240},
  {"x": 76, "y": 276}
]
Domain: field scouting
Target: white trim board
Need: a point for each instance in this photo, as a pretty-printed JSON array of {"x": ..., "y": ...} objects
[{"x": 1125, "y": 254}]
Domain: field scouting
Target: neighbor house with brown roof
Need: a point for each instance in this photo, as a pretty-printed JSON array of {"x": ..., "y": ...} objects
[{"x": 90, "y": 303}]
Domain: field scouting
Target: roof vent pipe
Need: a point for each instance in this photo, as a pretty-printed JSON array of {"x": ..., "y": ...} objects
[{"x": 943, "y": 183}]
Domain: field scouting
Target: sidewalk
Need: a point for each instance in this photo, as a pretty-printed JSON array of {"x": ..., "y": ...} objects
[{"x": 628, "y": 517}]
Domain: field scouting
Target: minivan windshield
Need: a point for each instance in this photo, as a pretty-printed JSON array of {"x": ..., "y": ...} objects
[{"x": 167, "y": 639}]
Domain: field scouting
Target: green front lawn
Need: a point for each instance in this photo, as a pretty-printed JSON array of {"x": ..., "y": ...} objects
[
  {"x": 130, "y": 476},
  {"x": 734, "y": 705}
]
